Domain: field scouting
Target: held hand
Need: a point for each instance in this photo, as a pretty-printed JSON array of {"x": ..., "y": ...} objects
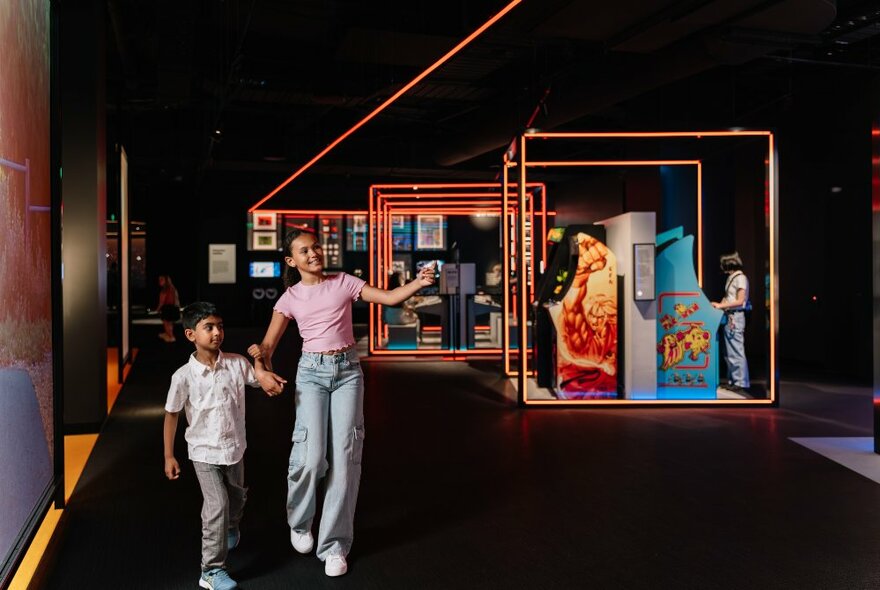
[
  {"x": 426, "y": 274},
  {"x": 172, "y": 468},
  {"x": 271, "y": 383},
  {"x": 716, "y": 305},
  {"x": 255, "y": 351}
]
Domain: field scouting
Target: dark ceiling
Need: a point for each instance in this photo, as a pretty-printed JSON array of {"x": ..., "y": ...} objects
[{"x": 252, "y": 89}]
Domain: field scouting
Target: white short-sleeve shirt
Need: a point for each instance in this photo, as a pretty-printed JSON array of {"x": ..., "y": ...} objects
[
  {"x": 735, "y": 282},
  {"x": 213, "y": 400}
]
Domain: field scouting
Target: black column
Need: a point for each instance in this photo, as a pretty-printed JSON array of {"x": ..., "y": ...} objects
[{"x": 84, "y": 214}]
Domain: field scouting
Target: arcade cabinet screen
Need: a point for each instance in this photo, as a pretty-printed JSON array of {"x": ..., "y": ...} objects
[{"x": 27, "y": 429}]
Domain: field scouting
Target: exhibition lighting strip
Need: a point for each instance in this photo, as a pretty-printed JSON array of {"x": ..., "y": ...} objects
[
  {"x": 542, "y": 213},
  {"x": 390, "y": 209},
  {"x": 771, "y": 196},
  {"x": 422, "y": 198},
  {"x": 389, "y": 100}
]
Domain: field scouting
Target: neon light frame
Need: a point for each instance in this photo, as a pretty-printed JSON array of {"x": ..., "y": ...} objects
[
  {"x": 422, "y": 197},
  {"x": 771, "y": 195},
  {"x": 403, "y": 90}
]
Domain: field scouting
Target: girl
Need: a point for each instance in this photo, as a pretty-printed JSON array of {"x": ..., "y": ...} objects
[
  {"x": 735, "y": 304},
  {"x": 169, "y": 307},
  {"x": 329, "y": 431}
]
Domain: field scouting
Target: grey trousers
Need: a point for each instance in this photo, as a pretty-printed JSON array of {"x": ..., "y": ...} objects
[{"x": 224, "y": 495}]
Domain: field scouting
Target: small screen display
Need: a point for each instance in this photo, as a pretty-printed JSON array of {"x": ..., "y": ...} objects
[{"x": 265, "y": 270}]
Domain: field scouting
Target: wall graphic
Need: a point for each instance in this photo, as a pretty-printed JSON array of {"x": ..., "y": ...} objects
[
  {"x": 26, "y": 385},
  {"x": 687, "y": 327},
  {"x": 586, "y": 325}
]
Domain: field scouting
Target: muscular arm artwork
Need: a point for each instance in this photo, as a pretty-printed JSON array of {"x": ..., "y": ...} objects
[{"x": 580, "y": 331}]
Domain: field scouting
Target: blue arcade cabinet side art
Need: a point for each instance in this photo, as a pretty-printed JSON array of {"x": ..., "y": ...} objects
[{"x": 687, "y": 324}]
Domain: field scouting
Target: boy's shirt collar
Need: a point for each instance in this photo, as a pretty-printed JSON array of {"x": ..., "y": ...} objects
[{"x": 199, "y": 368}]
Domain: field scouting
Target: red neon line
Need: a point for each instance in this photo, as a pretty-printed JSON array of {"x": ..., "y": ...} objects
[
  {"x": 391, "y": 99},
  {"x": 648, "y": 134},
  {"x": 423, "y": 196},
  {"x": 612, "y": 163},
  {"x": 419, "y": 186},
  {"x": 312, "y": 211}
]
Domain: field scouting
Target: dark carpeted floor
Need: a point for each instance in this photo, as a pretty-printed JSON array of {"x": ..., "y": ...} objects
[{"x": 461, "y": 490}]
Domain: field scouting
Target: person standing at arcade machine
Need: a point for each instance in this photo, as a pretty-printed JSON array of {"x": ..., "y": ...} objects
[{"x": 735, "y": 305}]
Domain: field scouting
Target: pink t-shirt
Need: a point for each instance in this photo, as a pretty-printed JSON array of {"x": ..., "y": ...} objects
[{"x": 323, "y": 311}]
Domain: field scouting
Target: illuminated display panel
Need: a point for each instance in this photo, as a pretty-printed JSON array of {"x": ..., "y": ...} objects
[
  {"x": 356, "y": 233},
  {"x": 30, "y": 464}
]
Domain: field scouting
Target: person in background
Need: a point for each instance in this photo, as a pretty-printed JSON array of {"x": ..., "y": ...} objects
[
  {"x": 168, "y": 307},
  {"x": 735, "y": 304},
  {"x": 328, "y": 434}
]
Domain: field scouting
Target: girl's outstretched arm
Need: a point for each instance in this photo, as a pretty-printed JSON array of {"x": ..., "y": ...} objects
[{"x": 397, "y": 296}]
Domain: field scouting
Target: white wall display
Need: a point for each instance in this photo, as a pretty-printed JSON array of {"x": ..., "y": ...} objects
[{"x": 221, "y": 264}]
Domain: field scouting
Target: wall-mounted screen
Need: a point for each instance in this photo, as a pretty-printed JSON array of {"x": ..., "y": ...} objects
[
  {"x": 27, "y": 403},
  {"x": 356, "y": 233},
  {"x": 264, "y": 270}
]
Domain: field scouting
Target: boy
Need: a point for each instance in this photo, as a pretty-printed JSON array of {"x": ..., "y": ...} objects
[{"x": 210, "y": 388}]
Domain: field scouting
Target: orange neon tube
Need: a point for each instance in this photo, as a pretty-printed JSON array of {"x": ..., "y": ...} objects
[
  {"x": 443, "y": 185},
  {"x": 612, "y": 134},
  {"x": 612, "y": 163},
  {"x": 522, "y": 274},
  {"x": 390, "y": 100},
  {"x": 313, "y": 212}
]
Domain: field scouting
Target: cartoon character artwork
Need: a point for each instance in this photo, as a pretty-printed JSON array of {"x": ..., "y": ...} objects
[
  {"x": 687, "y": 326},
  {"x": 586, "y": 325}
]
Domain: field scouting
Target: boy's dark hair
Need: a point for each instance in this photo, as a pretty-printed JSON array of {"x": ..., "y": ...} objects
[
  {"x": 731, "y": 262},
  {"x": 196, "y": 312}
]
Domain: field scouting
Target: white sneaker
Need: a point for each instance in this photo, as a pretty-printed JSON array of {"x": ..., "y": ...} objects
[
  {"x": 335, "y": 565},
  {"x": 302, "y": 542}
]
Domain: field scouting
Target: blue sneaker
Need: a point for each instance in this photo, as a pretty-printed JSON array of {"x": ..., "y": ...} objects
[
  {"x": 233, "y": 537},
  {"x": 217, "y": 579}
]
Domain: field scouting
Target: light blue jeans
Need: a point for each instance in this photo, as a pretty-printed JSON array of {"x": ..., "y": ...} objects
[
  {"x": 328, "y": 440},
  {"x": 735, "y": 349}
]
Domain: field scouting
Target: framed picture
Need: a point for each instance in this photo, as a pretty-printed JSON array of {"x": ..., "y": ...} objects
[
  {"x": 401, "y": 233},
  {"x": 643, "y": 272},
  {"x": 265, "y": 221},
  {"x": 430, "y": 232},
  {"x": 265, "y": 240},
  {"x": 356, "y": 233}
]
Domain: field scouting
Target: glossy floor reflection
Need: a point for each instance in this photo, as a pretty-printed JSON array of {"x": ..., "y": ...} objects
[{"x": 462, "y": 490}]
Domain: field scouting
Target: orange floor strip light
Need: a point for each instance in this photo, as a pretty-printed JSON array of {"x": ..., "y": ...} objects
[
  {"x": 771, "y": 196},
  {"x": 449, "y": 54}
]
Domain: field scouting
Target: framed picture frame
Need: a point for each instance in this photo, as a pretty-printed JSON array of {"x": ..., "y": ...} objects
[
  {"x": 430, "y": 233},
  {"x": 265, "y": 221},
  {"x": 643, "y": 272},
  {"x": 264, "y": 240}
]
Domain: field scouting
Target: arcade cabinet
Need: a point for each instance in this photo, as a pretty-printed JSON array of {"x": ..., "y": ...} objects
[{"x": 576, "y": 336}]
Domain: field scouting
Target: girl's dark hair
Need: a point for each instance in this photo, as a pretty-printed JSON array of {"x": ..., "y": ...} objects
[
  {"x": 291, "y": 275},
  {"x": 731, "y": 262}
]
